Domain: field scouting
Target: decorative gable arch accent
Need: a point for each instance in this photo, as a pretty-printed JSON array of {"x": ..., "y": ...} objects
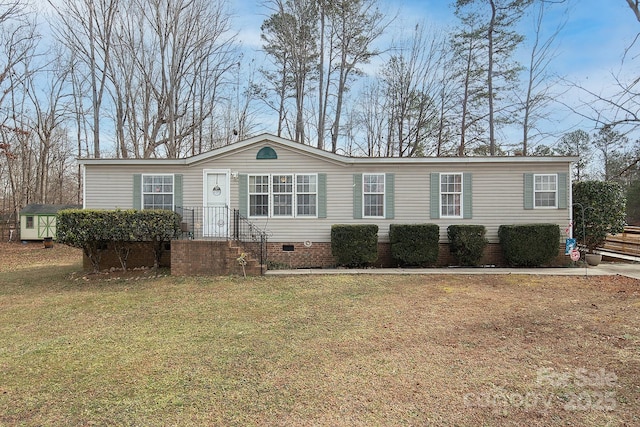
[{"x": 266, "y": 153}]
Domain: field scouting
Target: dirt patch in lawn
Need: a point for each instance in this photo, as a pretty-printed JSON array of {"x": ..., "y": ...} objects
[
  {"x": 16, "y": 256},
  {"x": 344, "y": 350}
]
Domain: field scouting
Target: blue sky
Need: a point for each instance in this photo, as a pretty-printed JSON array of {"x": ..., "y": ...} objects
[{"x": 590, "y": 47}]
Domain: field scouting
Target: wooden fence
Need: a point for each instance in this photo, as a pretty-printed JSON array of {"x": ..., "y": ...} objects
[{"x": 624, "y": 245}]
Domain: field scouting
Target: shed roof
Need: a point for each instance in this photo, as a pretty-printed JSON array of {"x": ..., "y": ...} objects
[{"x": 37, "y": 209}]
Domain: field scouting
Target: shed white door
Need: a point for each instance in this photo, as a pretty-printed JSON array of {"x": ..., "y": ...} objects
[{"x": 216, "y": 204}]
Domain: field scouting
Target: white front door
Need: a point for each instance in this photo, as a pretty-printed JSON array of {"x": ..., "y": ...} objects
[{"x": 216, "y": 203}]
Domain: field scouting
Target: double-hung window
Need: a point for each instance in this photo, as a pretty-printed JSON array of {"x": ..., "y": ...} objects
[
  {"x": 157, "y": 192},
  {"x": 259, "y": 195},
  {"x": 282, "y": 188},
  {"x": 306, "y": 195},
  {"x": 373, "y": 195},
  {"x": 283, "y": 195},
  {"x": 545, "y": 191},
  {"x": 451, "y": 195}
]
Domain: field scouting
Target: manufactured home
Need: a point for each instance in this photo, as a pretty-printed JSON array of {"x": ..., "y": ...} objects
[{"x": 291, "y": 194}]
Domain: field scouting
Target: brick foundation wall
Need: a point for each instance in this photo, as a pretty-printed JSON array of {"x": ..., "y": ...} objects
[
  {"x": 204, "y": 257},
  {"x": 207, "y": 257},
  {"x": 296, "y": 255},
  {"x": 141, "y": 255}
]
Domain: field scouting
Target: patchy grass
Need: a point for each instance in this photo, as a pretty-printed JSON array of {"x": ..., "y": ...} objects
[{"x": 315, "y": 350}]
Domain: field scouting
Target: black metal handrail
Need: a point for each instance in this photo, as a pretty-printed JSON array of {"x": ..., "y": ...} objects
[{"x": 252, "y": 237}]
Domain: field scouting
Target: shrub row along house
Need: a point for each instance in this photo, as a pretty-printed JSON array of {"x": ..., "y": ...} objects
[{"x": 293, "y": 194}]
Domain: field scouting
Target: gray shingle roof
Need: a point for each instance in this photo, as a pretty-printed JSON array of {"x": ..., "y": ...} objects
[{"x": 36, "y": 209}]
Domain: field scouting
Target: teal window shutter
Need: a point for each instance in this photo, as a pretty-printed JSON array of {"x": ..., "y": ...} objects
[
  {"x": 322, "y": 195},
  {"x": 389, "y": 195},
  {"x": 434, "y": 196},
  {"x": 177, "y": 191},
  {"x": 528, "y": 191},
  {"x": 243, "y": 194},
  {"x": 137, "y": 191},
  {"x": 562, "y": 191},
  {"x": 467, "y": 196},
  {"x": 357, "y": 196}
]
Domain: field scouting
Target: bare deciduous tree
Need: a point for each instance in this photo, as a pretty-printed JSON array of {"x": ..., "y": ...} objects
[
  {"x": 537, "y": 94},
  {"x": 86, "y": 28}
]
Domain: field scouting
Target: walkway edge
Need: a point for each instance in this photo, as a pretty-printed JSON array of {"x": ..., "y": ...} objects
[{"x": 605, "y": 269}]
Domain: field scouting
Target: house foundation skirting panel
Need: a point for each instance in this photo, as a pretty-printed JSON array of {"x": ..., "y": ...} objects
[
  {"x": 292, "y": 255},
  {"x": 206, "y": 257},
  {"x": 210, "y": 257},
  {"x": 141, "y": 255}
]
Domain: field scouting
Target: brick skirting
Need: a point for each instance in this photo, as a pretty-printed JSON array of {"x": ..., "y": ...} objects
[
  {"x": 204, "y": 257},
  {"x": 294, "y": 255},
  {"x": 210, "y": 257},
  {"x": 141, "y": 255}
]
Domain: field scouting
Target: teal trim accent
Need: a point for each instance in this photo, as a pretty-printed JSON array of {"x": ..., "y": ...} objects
[
  {"x": 243, "y": 194},
  {"x": 46, "y": 226},
  {"x": 434, "y": 196},
  {"x": 357, "y": 196},
  {"x": 389, "y": 195},
  {"x": 528, "y": 191},
  {"x": 137, "y": 191},
  {"x": 322, "y": 195},
  {"x": 177, "y": 190},
  {"x": 467, "y": 196},
  {"x": 562, "y": 191},
  {"x": 267, "y": 153}
]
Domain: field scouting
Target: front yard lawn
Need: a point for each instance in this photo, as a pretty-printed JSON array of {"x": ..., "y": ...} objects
[{"x": 314, "y": 350}]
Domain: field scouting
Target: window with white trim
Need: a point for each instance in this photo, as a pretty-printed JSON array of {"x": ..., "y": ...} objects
[
  {"x": 306, "y": 195},
  {"x": 373, "y": 195},
  {"x": 451, "y": 195},
  {"x": 545, "y": 191},
  {"x": 283, "y": 195},
  {"x": 157, "y": 192},
  {"x": 282, "y": 188},
  {"x": 259, "y": 195}
]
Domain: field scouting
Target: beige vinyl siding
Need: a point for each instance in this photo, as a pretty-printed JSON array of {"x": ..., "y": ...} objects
[
  {"x": 111, "y": 186},
  {"x": 497, "y": 190}
]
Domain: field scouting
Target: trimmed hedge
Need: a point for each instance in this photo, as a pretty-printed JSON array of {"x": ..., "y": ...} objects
[
  {"x": 92, "y": 229},
  {"x": 529, "y": 245},
  {"x": 354, "y": 245},
  {"x": 467, "y": 243},
  {"x": 414, "y": 244},
  {"x": 602, "y": 205}
]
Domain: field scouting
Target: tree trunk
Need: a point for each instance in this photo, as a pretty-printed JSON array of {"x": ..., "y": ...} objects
[{"x": 490, "y": 34}]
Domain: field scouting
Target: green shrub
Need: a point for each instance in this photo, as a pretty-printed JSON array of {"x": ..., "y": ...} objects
[
  {"x": 414, "y": 244},
  {"x": 354, "y": 245},
  {"x": 467, "y": 243},
  {"x": 92, "y": 229},
  {"x": 85, "y": 229},
  {"x": 158, "y": 226},
  {"x": 602, "y": 205},
  {"x": 529, "y": 245}
]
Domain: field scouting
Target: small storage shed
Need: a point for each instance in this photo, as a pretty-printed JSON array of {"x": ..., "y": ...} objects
[{"x": 39, "y": 221}]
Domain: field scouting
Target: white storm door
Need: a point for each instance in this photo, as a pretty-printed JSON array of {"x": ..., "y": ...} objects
[{"x": 216, "y": 204}]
